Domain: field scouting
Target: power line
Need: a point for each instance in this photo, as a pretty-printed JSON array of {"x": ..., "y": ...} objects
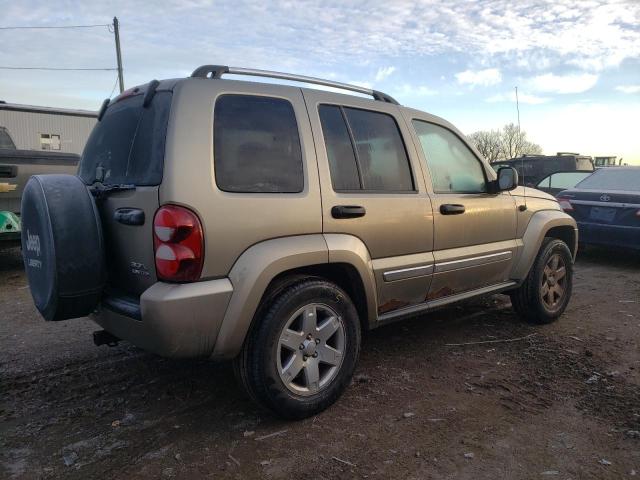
[
  {"x": 58, "y": 26},
  {"x": 112, "y": 28},
  {"x": 114, "y": 86},
  {"x": 60, "y": 69}
]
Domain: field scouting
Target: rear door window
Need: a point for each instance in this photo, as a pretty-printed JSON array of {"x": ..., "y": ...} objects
[
  {"x": 340, "y": 152},
  {"x": 256, "y": 145},
  {"x": 127, "y": 145},
  {"x": 365, "y": 150}
]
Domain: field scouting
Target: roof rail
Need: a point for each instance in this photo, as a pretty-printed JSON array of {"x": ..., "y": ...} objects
[{"x": 216, "y": 71}]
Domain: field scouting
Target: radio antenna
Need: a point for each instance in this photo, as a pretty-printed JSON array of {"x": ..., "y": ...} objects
[{"x": 519, "y": 140}]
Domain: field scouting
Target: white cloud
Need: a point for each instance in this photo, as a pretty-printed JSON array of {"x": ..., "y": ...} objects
[
  {"x": 572, "y": 83},
  {"x": 531, "y": 60},
  {"x": 384, "y": 72},
  {"x": 485, "y": 78},
  {"x": 361, "y": 83},
  {"x": 531, "y": 99},
  {"x": 628, "y": 88},
  {"x": 523, "y": 97},
  {"x": 349, "y": 39},
  {"x": 535, "y": 34},
  {"x": 408, "y": 91}
]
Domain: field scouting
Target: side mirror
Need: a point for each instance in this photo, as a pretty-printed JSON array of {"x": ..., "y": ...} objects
[{"x": 507, "y": 179}]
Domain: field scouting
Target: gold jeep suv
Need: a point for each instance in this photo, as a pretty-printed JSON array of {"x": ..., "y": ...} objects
[{"x": 272, "y": 224}]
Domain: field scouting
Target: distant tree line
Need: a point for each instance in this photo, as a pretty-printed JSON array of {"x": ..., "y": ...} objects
[{"x": 510, "y": 142}]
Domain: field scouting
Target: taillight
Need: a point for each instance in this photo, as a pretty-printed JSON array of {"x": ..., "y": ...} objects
[
  {"x": 565, "y": 204},
  {"x": 638, "y": 214},
  {"x": 178, "y": 243}
]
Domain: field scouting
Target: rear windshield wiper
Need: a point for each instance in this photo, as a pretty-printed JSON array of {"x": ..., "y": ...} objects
[{"x": 100, "y": 190}]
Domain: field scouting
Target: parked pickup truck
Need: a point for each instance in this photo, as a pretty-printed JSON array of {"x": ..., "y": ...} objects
[{"x": 16, "y": 166}]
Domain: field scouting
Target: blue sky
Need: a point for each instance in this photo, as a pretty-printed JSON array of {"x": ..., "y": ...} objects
[{"x": 576, "y": 63}]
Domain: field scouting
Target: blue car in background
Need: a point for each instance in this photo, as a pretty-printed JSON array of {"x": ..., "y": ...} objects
[{"x": 606, "y": 206}]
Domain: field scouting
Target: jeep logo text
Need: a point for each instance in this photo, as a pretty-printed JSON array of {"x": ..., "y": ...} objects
[{"x": 33, "y": 243}]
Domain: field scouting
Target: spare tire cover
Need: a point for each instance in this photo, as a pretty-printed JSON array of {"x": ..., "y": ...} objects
[{"x": 62, "y": 246}]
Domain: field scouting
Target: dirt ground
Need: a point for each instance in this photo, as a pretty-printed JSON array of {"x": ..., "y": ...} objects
[{"x": 564, "y": 402}]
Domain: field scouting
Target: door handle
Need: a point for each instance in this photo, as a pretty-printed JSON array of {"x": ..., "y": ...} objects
[
  {"x": 348, "y": 211},
  {"x": 129, "y": 216},
  {"x": 451, "y": 209}
]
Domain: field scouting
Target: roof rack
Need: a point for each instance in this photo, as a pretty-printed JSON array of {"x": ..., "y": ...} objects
[{"x": 216, "y": 71}]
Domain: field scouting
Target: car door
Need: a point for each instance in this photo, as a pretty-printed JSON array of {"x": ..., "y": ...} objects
[
  {"x": 474, "y": 229},
  {"x": 372, "y": 188}
]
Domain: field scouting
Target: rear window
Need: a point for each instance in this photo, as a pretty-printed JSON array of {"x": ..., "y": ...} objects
[
  {"x": 256, "y": 145},
  {"x": 612, "y": 178},
  {"x": 584, "y": 164},
  {"x": 127, "y": 145},
  {"x": 5, "y": 139}
]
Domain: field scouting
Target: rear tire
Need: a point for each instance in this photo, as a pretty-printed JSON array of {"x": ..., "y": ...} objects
[
  {"x": 300, "y": 355},
  {"x": 546, "y": 291}
]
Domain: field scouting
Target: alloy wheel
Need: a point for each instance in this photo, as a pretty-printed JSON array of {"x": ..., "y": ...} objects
[
  {"x": 553, "y": 282},
  {"x": 310, "y": 349}
]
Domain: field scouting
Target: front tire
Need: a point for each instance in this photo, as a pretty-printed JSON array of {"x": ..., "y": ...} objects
[
  {"x": 300, "y": 355},
  {"x": 546, "y": 291}
]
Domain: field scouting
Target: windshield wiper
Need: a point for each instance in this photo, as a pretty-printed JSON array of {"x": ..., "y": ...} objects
[{"x": 100, "y": 190}]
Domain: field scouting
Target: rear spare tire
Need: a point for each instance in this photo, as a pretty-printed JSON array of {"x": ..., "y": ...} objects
[{"x": 62, "y": 246}]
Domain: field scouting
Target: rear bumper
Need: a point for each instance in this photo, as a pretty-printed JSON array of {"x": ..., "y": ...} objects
[
  {"x": 173, "y": 320},
  {"x": 614, "y": 235}
]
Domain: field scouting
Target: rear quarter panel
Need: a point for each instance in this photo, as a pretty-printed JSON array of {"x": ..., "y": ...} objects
[{"x": 232, "y": 222}]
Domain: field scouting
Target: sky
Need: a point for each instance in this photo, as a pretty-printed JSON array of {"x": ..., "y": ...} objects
[{"x": 576, "y": 63}]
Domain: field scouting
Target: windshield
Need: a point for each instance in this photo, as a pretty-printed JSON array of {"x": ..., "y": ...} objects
[
  {"x": 127, "y": 145},
  {"x": 612, "y": 178}
]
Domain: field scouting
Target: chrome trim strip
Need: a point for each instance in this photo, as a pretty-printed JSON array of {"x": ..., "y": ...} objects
[
  {"x": 404, "y": 273},
  {"x": 473, "y": 261},
  {"x": 605, "y": 204}
]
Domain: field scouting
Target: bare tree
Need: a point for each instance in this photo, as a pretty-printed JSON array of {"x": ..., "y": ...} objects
[
  {"x": 510, "y": 141},
  {"x": 515, "y": 143},
  {"x": 504, "y": 144},
  {"x": 488, "y": 143}
]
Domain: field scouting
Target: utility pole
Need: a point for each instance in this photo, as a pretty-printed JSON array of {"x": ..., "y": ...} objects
[{"x": 116, "y": 30}]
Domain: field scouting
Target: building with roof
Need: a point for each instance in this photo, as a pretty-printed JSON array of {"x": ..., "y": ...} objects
[{"x": 46, "y": 128}]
